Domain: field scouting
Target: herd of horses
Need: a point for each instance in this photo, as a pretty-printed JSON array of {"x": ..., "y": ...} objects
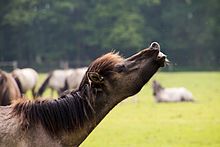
[
  {"x": 14, "y": 85},
  {"x": 93, "y": 92}
]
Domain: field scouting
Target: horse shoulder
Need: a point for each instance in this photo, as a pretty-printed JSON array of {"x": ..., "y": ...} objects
[
  {"x": 10, "y": 130},
  {"x": 38, "y": 136},
  {"x": 12, "y": 134}
]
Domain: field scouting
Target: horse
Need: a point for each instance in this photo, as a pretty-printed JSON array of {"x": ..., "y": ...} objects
[
  {"x": 56, "y": 80},
  {"x": 8, "y": 89},
  {"x": 68, "y": 120},
  {"x": 179, "y": 94},
  {"x": 63, "y": 80},
  {"x": 26, "y": 79},
  {"x": 74, "y": 79}
]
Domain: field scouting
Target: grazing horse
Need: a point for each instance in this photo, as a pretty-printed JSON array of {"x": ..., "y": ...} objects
[
  {"x": 26, "y": 79},
  {"x": 8, "y": 89},
  {"x": 56, "y": 81},
  {"x": 68, "y": 120},
  {"x": 74, "y": 79},
  {"x": 162, "y": 94},
  {"x": 62, "y": 80}
]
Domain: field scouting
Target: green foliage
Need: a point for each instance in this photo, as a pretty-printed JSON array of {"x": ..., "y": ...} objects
[{"x": 187, "y": 30}]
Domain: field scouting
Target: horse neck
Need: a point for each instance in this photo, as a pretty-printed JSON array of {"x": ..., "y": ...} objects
[
  {"x": 90, "y": 113},
  {"x": 101, "y": 108}
]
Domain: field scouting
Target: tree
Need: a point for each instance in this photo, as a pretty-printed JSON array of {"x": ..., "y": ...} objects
[{"x": 80, "y": 30}]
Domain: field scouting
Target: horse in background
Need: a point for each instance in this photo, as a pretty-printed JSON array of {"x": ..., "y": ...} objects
[
  {"x": 74, "y": 79},
  {"x": 62, "y": 80},
  {"x": 56, "y": 81},
  {"x": 26, "y": 79},
  {"x": 8, "y": 89},
  {"x": 162, "y": 94}
]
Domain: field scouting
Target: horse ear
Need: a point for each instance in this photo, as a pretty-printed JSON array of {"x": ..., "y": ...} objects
[{"x": 95, "y": 77}]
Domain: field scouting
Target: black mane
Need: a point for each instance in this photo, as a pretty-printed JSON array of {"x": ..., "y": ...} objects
[{"x": 67, "y": 113}]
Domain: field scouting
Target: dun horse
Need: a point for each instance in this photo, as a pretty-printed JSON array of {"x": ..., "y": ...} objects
[
  {"x": 67, "y": 121},
  {"x": 179, "y": 94},
  {"x": 74, "y": 79},
  {"x": 62, "y": 80},
  {"x": 8, "y": 89},
  {"x": 56, "y": 81},
  {"x": 26, "y": 79}
]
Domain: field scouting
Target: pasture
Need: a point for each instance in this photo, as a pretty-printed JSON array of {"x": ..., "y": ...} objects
[{"x": 146, "y": 123}]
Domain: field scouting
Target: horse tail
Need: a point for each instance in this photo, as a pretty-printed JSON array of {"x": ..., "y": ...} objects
[
  {"x": 19, "y": 84},
  {"x": 44, "y": 85},
  {"x": 34, "y": 93}
]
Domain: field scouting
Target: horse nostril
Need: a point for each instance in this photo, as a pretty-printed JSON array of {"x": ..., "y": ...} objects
[{"x": 161, "y": 57}]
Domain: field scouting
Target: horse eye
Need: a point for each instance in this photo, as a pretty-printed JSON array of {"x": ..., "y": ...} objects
[{"x": 120, "y": 68}]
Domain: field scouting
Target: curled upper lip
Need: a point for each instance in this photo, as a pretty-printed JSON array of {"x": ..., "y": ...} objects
[{"x": 162, "y": 55}]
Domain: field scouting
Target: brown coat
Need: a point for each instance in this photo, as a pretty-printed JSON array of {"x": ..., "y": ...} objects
[{"x": 68, "y": 120}]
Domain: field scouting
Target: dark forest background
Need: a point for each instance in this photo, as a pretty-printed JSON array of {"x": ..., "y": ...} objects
[{"x": 44, "y": 33}]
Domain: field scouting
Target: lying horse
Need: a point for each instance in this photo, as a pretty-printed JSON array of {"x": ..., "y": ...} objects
[
  {"x": 8, "y": 89},
  {"x": 68, "y": 120},
  {"x": 26, "y": 79},
  {"x": 162, "y": 94},
  {"x": 56, "y": 81}
]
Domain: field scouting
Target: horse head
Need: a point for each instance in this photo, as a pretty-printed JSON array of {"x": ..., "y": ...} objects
[
  {"x": 108, "y": 80},
  {"x": 118, "y": 78},
  {"x": 156, "y": 87}
]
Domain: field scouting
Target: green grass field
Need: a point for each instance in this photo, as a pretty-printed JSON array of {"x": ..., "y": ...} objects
[{"x": 146, "y": 123}]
